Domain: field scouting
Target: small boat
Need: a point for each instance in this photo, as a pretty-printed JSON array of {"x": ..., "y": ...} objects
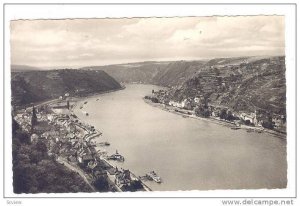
[
  {"x": 235, "y": 128},
  {"x": 153, "y": 176},
  {"x": 116, "y": 157},
  {"x": 104, "y": 144}
]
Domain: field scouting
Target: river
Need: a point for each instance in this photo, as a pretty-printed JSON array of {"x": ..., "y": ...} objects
[{"x": 188, "y": 154}]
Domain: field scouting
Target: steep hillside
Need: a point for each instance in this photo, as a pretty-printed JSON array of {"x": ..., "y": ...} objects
[
  {"x": 132, "y": 73},
  {"x": 34, "y": 86},
  {"x": 177, "y": 72},
  {"x": 258, "y": 84},
  {"x": 159, "y": 73}
]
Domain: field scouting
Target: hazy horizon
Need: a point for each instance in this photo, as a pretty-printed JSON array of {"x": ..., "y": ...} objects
[
  {"x": 124, "y": 63},
  {"x": 74, "y": 43}
]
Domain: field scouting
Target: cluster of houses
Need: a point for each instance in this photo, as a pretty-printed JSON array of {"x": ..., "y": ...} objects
[
  {"x": 188, "y": 103},
  {"x": 24, "y": 120},
  {"x": 251, "y": 118},
  {"x": 68, "y": 138},
  {"x": 125, "y": 180}
]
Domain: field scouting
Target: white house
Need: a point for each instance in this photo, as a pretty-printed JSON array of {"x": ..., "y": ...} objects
[
  {"x": 34, "y": 138},
  {"x": 197, "y": 100},
  {"x": 251, "y": 117},
  {"x": 186, "y": 104}
]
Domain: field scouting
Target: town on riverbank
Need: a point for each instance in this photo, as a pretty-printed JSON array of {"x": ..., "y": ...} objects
[
  {"x": 200, "y": 108},
  {"x": 70, "y": 142}
]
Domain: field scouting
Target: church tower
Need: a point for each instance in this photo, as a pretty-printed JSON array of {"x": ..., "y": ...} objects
[
  {"x": 33, "y": 119},
  {"x": 255, "y": 121}
]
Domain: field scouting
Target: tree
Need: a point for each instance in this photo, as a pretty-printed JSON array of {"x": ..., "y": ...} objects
[
  {"x": 154, "y": 99},
  {"x": 230, "y": 116},
  {"x": 206, "y": 100},
  {"x": 41, "y": 147},
  {"x": 18, "y": 134},
  {"x": 268, "y": 125},
  {"x": 247, "y": 122},
  {"x": 101, "y": 183},
  {"x": 267, "y": 122},
  {"x": 223, "y": 114},
  {"x": 38, "y": 152},
  {"x": 136, "y": 185},
  {"x": 23, "y": 178},
  {"x": 202, "y": 111}
]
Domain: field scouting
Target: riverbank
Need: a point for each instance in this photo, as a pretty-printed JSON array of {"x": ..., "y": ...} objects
[
  {"x": 109, "y": 165},
  {"x": 76, "y": 98},
  {"x": 96, "y": 94},
  {"x": 149, "y": 138},
  {"x": 188, "y": 114},
  {"x": 73, "y": 144}
]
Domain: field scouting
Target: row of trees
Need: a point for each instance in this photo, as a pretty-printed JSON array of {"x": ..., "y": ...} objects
[{"x": 153, "y": 99}]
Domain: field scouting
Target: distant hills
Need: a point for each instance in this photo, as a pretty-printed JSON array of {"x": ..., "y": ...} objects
[
  {"x": 166, "y": 74},
  {"x": 240, "y": 83},
  {"x": 22, "y": 68},
  {"x": 35, "y": 86}
]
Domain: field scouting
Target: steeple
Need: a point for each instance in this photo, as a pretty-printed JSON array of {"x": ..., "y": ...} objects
[{"x": 33, "y": 119}]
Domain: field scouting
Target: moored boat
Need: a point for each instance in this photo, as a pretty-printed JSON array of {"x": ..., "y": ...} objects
[
  {"x": 104, "y": 144},
  {"x": 153, "y": 176},
  {"x": 116, "y": 157},
  {"x": 235, "y": 128}
]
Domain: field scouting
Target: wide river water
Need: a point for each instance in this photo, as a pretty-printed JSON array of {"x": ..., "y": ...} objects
[{"x": 188, "y": 154}]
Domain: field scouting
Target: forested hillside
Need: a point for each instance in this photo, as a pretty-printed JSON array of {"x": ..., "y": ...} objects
[{"x": 34, "y": 86}]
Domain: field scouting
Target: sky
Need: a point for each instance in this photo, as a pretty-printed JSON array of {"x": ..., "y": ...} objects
[{"x": 87, "y": 42}]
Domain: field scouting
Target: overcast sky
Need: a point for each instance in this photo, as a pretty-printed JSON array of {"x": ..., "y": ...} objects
[{"x": 86, "y": 42}]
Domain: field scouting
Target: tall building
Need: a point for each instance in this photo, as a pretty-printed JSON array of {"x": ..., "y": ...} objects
[{"x": 33, "y": 119}]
